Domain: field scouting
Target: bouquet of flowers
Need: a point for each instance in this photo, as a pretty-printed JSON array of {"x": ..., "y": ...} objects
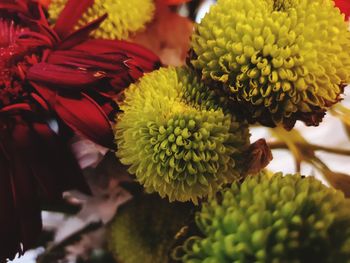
[{"x": 125, "y": 130}]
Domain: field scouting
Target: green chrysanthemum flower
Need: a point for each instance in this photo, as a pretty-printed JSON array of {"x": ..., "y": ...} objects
[
  {"x": 144, "y": 230},
  {"x": 277, "y": 219},
  {"x": 177, "y": 141},
  {"x": 279, "y": 61},
  {"x": 124, "y": 16}
]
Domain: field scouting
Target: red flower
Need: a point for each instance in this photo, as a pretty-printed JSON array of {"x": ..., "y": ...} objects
[
  {"x": 344, "y": 6},
  {"x": 52, "y": 73}
]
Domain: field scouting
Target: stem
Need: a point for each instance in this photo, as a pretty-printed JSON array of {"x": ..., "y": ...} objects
[
  {"x": 314, "y": 147},
  {"x": 297, "y": 166}
]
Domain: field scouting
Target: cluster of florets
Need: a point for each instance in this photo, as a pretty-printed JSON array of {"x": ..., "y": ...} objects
[
  {"x": 279, "y": 61},
  {"x": 278, "y": 219},
  {"x": 176, "y": 139}
]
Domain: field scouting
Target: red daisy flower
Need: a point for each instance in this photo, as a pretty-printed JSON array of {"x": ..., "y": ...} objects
[
  {"x": 344, "y": 6},
  {"x": 52, "y": 73}
]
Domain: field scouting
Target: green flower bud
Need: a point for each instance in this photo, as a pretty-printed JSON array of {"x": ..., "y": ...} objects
[
  {"x": 144, "y": 230},
  {"x": 278, "y": 61},
  {"x": 272, "y": 219},
  {"x": 176, "y": 139}
]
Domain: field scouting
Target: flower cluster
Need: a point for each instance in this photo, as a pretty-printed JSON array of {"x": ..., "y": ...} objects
[
  {"x": 178, "y": 142},
  {"x": 279, "y": 61},
  {"x": 278, "y": 219}
]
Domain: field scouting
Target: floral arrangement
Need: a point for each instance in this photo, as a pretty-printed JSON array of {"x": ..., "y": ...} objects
[{"x": 125, "y": 130}]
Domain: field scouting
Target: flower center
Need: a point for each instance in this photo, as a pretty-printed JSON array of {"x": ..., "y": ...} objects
[
  {"x": 10, "y": 53},
  {"x": 9, "y": 32}
]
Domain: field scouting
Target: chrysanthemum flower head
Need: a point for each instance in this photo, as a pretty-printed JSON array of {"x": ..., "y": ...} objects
[
  {"x": 176, "y": 139},
  {"x": 124, "y": 17},
  {"x": 272, "y": 219},
  {"x": 144, "y": 230},
  {"x": 280, "y": 61}
]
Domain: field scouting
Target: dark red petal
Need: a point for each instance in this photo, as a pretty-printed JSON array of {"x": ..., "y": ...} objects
[
  {"x": 85, "y": 116},
  {"x": 31, "y": 158},
  {"x": 106, "y": 101},
  {"x": 39, "y": 14},
  {"x": 70, "y": 15},
  {"x": 74, "y": 58},
  {"x": 54, "y": 165},
  {"x": 16, "y": 107},
  {"x": 34, "y": 39},
  {"x": 33, "y": 15},
  {"x": 135, "y": 70},
  {"x": 24, "y": 191},
  {"x": 18, "y": 7},
  {"x": 48, "y": 94},
  {"x": 40, "y": 101},
  {"x": 82, "y": 34},
  {"x": 9, "y": 232},
  {"x": 143, "y": 57},
  {"x": 63, "y": 77},
  {"x": 26, "y": 202}
]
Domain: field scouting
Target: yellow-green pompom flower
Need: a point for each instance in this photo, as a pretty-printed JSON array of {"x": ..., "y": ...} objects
[
  {"x": 124, "y": 16},
  {"x": 176, "y": 139},
  {"x": 279, "y": 61},
  {"x": 272, "y": 219},
  {"x": 144, "y": 230}
]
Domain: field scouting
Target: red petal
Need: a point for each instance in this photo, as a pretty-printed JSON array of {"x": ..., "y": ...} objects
[
  {"x": 60, "y": 76},
  {"x": 70, "y": 15},
  {"x": 85, "y": 116},
  {"x": 34, "y": 39},
  {"x": 24, "y": 192},
  {"x": 31, "y": 158},
  {"x": 143, "y": 57},
  {"x": 18, "y": 7},
  {"x": 40, "y": 101},
  {"x": 82, "y": 34},
  {"x": 74, "y": 58},
  {"x": 48, "y": 94},
  {"x": 54, "y": 165},
  {"x": 26, "y": 202},
  {"x": 9, "y": 232},
  {"x": 16, "y": 107}
]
